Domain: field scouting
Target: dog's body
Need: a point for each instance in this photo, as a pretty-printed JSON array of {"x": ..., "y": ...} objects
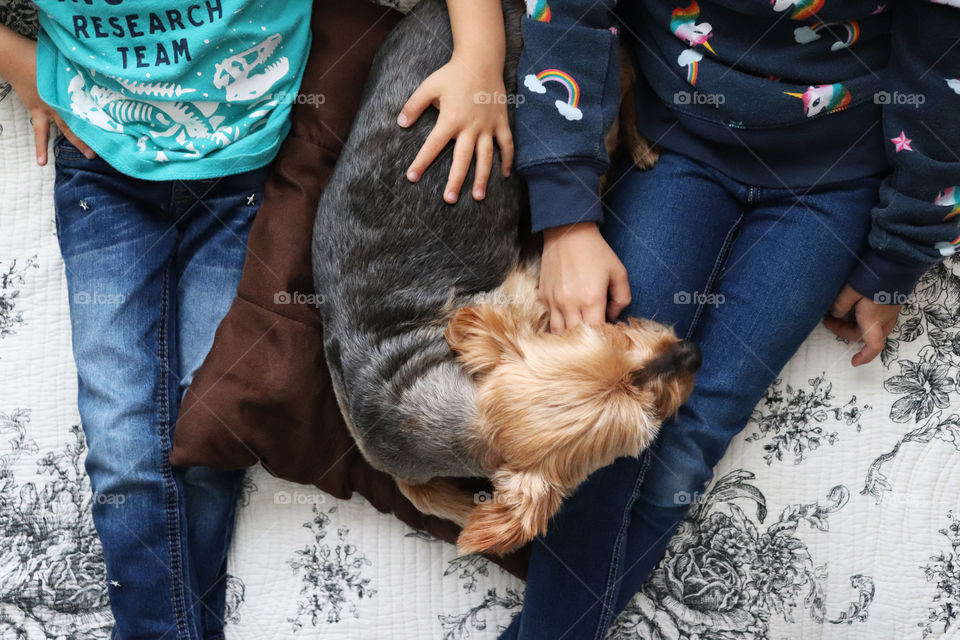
[{"x": 436, "y": 339}]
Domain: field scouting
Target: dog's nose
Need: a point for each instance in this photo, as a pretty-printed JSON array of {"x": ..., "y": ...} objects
[{"x": 688, "y": 356}]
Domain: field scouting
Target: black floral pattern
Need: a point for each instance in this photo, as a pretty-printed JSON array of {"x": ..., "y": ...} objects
[
  {"x": 54, "y": 580},
  {"x": 791, "y": 420},
  {"x": 21, "y": 16},
  {"x": 944, "y": 570},
  {"x": 12, "y": 278},
  {"x": 332, "y": 575},
  {"x": 722, "y": 577}
]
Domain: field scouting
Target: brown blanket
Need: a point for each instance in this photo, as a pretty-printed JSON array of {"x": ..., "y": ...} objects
[{"x": 263, "y": 393}]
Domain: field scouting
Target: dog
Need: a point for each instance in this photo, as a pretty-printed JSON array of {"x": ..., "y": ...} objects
[{"x": 437, "y": 341}]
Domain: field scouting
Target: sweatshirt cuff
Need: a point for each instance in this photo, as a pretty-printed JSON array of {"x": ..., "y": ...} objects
[
  {"x": 563, "y": 194},
  {"x": 883, "y": 280}
]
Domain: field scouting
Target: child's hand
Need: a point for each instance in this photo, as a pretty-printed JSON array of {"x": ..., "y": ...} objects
[
  {"x": 472, "y": 104},
  {"x": 21, "y": 72},
  {"x": 581, "y": 278},
  {"x": 873, "y": 324}
]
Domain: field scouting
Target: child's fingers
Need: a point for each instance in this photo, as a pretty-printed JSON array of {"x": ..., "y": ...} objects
[
  {"x": 556, "y": 321},
  {"x": 75, "y": 140},
  {"x": 593, "y": 315},
  {"x": 431, "y": 148},
  {"x": 484, "y": 165},
  {"x": 505, "y": 142},
  {"x": 872, "y": 344},
  {"x": 41, "y": 136},
  {"x": 422, "y": 98},
  {"x": 571, "y": 316},
  {"x": 462, "y": 155},
  {"x": 845, "y": 300},
  {"x": 619, "y": 294},
  {"x": 842, "y": 329}
]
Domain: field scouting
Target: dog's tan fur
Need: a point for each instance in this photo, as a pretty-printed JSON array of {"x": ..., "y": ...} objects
[{"x": 551, "y": 410}]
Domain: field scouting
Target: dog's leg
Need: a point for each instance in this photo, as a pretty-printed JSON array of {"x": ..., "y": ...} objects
[
  {"x": 517, "y": 511},
  {"x": 440, "y": 497}
]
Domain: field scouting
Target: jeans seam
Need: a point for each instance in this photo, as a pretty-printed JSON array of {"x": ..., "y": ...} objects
[
  {"x": 715, "y": 273},
  {"x": 171, "y": 506},
  {"x": 610, "y": 594}
]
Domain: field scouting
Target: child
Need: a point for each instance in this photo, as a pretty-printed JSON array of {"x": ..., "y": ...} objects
[
  {"x": 773, "y": 203},
  {"x": 170, "y": 116}
]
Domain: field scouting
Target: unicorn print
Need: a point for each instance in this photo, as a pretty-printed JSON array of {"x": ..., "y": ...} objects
[
  {"x": 802, "y": 9},
  {"x": 683, "y": 24},
  {"x": 824, "y": 98}
]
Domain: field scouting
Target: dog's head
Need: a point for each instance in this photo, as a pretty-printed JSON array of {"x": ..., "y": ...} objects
[
  {"x": 576, "y": 401},
  {"x": 554, "y": 408}
]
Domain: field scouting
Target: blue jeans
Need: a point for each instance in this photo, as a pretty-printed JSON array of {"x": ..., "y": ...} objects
[
  {"x": 746, "y": 272},
  {"x": 152, "y": 267}
]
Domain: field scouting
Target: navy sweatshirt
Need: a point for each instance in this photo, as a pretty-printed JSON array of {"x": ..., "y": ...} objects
[{"x": 788, "y": 94}]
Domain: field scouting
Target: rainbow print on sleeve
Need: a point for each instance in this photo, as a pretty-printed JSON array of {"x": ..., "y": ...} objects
[
  {"x": 803, "y": 35},
  {"x": 569, "y": 109},
  {"x": 538, "y": 10}
]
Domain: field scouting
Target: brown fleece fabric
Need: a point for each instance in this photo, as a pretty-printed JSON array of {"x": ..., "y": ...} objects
[{"x": 263, "y": 393}]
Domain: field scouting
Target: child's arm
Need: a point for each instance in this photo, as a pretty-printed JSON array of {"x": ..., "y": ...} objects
[
  {"x": 470, "y": 95},
  {"x": 18, "y": 66},
  {"x": 917, "y": 220},
  {"x": 569, "y": 81}
]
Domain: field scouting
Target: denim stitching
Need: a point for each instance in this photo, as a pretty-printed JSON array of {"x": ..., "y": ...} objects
[
  {"x": 610, "y": 594},
  {"x": 715, "y": 273},
  {"x": 172, "y": 510}
]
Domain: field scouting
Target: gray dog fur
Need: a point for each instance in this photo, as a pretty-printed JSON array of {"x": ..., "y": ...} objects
[{"x": 392, "y": 262}]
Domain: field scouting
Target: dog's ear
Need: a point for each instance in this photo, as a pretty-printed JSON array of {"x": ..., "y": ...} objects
[
  {"x": 512, "y": 516},
  {"x": 481, "y": 335}
]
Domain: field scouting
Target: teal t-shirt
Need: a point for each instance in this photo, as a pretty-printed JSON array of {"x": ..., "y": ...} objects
[{"x": 167, "y": 90}]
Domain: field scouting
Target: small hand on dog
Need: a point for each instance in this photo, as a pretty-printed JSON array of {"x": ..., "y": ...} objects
[
  {"x": 470, "y": 94},
  {"x": 872, "y": 322},
  {"x": 581, "y": 278}
]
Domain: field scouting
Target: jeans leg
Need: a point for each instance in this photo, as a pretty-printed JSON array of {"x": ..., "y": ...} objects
[
  {"x": 118, "y": 246},
  {"x": 215, "y": 219},
  {"x": 780, "y": 278},
  {"x": 574, "y": 573}
]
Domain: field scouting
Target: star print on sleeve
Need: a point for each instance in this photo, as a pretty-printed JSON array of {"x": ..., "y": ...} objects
[{"x": 902, "y": 143}]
